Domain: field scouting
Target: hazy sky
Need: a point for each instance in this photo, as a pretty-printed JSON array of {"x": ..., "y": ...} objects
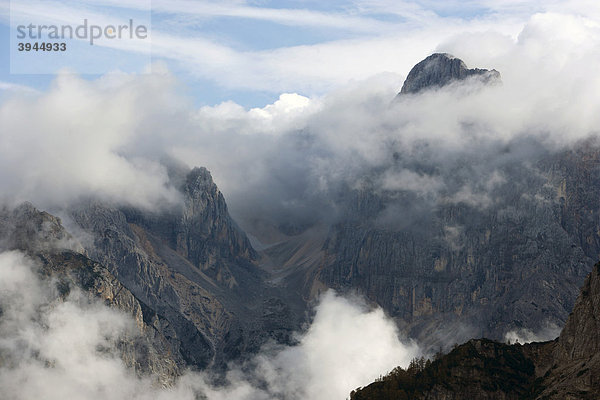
[{"x": 251, "y": 51}]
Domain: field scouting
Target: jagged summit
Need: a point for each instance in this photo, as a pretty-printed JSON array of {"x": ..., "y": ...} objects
[{"x": 440, "y": 69}]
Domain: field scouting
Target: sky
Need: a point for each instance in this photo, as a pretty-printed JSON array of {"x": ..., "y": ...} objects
[{"x": 250, "y": 52}]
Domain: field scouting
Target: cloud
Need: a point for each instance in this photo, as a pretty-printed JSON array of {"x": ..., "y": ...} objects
[
  {"x": 347, "y": 19},
  {"x": 347, "y": 345},
  {"x": 411, "y": 181},
  {"x": 52, "y": 349},
  {"x": 456, "y": 143},
  {"x": 289, "y": 112},
  {"x": 522, "y": 336},
  {"x": 71, "y": 141},
  {"x": 290, "y": 162},
  {"x": 55, "y": 349},
  {"x": 294, "y": 161},
  {"x": 13, "y": 87},
  {"x": 355, "y": 40}
]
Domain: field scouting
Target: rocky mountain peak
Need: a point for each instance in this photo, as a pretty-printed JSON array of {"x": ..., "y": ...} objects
[
  {"x": 439, "y": 70},
  {"x": 27, "y": 229},
  {"x": 199, "y": 180},
  {"x": 206, "y": 232}
]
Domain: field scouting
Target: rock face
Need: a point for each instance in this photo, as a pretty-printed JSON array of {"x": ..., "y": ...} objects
[
  {"x": 458, "y": 270},
  {"x": 28, "y": 229},
  {"x": 575, "y": 371},
  {"x": 566, "y": 368},
  {"x": 441, "y": 69},
  {"x": 581, "y": 335},
  {"x": 502, "y": 243},
  {"x": 153, "y": 351},
  {"x": 201, "y": 230},
  {"x": 206, "y": 234}
]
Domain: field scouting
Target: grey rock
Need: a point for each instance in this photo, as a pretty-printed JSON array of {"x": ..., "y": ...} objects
[
  {"x": 565, "y": 368},
  {"x": 449, "y": 271},
  {"x": 28, "y": 229},
  {"x": 441, "y": 69},
  {"x": 150, "y": 352},
  {"x": 575, "y": 367},
  {"x": 153, "y": 352},
  {"x": 194, "y": 266}
]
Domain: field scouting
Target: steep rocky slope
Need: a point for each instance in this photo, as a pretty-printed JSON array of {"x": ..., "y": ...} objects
[
  {"x": 502, "y": 246},
  {"x": 186, "y": 273},
  {"x": 575, "y": 371},
  {"x": 155, "y": 350},
  {"x": 514, "y": 263},
  {"x": 452, "y": 270},
  {"x": 566, "y": 368},
  {"x": 191, "y": 264}
]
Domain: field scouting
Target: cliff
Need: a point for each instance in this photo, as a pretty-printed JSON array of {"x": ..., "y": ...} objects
[
  {"x": 565, "y": 368},
  {"x": 153, "y": 351},
  {"x": 191, "y": 264}
]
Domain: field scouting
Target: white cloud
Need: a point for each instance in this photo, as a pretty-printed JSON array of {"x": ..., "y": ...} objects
[
  {"x": 286, "y": 160},
  {"x": 346, "y": 346},
  {"x": 523, "y": 335},
  {"x": 411, "y": 181},
  {"x": 13, "y": 87},
  {"x": 55, "y": 349},
  {"x": 50, "y": 349},
  {"x": 312, "y": 68},
  {"x": 291, "y": 111},
  {"x": 335, "y": 60},
  {"x": 71, "y": 142}
]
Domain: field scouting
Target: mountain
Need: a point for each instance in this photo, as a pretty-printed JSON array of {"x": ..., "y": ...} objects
[
  {"x": 565, "y": 368},
  {"x": 576, "y": 354},
  {"x": 504, "y": 247},
  {"x": 499, "y": 259},
  {"x": 191, "y": 264},
  {"x": 186, "y": 273},
  {"x": 504, "y": 244},
  {"x": 441, "y": 69}
]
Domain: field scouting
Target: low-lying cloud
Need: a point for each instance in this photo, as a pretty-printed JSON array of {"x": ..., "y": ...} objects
[
  {"x": 55, "y": 349},
  {"x": 549, "y": 332}
]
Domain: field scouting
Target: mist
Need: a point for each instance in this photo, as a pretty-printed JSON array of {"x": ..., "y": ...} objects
[
  {"x": 294, "y": 162},
  {"x": 453, "y": 145},
  {"x": 55, "y": 348},
  {"x": 550, "y": 332}
]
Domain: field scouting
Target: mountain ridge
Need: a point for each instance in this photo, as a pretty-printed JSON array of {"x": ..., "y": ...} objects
[{"x": 564, "y": 368}]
